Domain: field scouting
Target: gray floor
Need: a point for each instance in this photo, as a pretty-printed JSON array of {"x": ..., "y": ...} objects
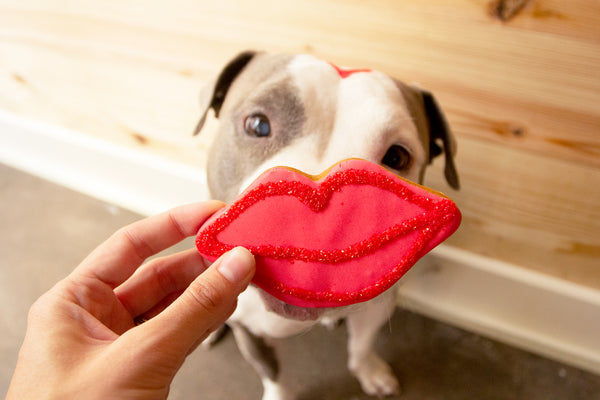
[{"x": 46, "y": 230}]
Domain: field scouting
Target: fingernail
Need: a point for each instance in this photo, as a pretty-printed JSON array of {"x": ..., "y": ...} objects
[{"x": 236, "y": 264}]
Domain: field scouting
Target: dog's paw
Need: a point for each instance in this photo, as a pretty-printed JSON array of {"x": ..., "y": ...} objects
[
  {"x": 376, "y": 377},
  {"x": 214, "y": 337},
  {"x": 331, "y": 323},
  {"x": 274, "y": 391}
]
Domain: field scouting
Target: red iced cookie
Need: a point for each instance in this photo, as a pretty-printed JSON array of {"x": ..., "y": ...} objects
[{"x": 331, "y": 240}]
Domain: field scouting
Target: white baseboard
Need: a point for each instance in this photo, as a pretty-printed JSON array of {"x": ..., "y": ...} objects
[
  {"x": 120, "y": 175},
  {"x": 539, "y": 313},
  {"x": 544, "y": 315}
]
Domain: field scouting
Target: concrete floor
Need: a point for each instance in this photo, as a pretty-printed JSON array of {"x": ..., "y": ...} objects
[{"x": 47, "y": 229}]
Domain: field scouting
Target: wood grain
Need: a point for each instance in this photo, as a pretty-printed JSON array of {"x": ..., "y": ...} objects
[
  {"x": 521, "y": 92},
  {"x": 527, "y": 209}
]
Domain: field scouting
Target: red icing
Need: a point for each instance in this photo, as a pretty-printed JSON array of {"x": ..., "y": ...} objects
[
  {"x": 346, "y": 72},
  {"x": 386, "y": 224}
]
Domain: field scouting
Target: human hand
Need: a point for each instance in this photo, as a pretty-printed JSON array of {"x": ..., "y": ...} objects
[{"x": 82, "y": 340}]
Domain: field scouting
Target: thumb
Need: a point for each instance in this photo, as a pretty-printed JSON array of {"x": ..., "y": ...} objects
[{"x": 206, "y": 304}]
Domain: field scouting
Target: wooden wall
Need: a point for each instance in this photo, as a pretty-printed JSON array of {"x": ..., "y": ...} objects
[{"x": 519, "y": 80}]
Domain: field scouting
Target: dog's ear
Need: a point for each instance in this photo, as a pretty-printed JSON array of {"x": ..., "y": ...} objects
[
  {"x": 441, "y": 139},
  {"x": 214, "y": 94}
]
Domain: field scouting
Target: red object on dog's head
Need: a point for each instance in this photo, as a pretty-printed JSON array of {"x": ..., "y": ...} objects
[
  {"x": 346, "y": 72},
  {"x": 331, "y": 240}
]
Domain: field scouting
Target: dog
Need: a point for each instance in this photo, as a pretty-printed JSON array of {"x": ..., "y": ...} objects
[{"x": 308, "y": 114}]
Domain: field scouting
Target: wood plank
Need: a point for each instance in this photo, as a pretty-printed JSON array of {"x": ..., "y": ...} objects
[
  {"x": 576, "y": 18},
  {"x": 544, "y": 87},
  {"x": 520, "y": 94},
  {"x": 527, "y": 209}
]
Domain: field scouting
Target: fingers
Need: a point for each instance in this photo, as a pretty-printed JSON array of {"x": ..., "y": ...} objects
[
  {"x": 117, "y": 258},
  {"x": 204, "y": 306},
  {"x": 159, "y": 278}
]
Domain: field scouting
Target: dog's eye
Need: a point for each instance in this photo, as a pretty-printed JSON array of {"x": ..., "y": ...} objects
[
  {"x": 397, "y": 157},
  {"x": 257, "y": 125}
]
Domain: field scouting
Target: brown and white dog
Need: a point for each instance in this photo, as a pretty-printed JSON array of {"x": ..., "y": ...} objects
[{"x": 305, "y": 113}]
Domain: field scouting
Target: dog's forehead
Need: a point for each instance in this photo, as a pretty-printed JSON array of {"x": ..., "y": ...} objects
[
  {"x": 359, "y": 106},
  {"x": 310, "y": 71},
  {"x": 319, "y": 81}
]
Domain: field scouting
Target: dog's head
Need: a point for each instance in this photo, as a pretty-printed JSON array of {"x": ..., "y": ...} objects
[
  {"x": 305, "y": 113},
  {"x": 302, "y": 112}
]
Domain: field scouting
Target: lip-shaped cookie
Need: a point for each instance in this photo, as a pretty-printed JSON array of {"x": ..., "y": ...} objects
[{"x": 331, "y": 240}]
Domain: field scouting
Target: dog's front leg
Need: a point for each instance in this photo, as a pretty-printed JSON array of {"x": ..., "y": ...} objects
[
  {"x": 374, "y": 374},
  {"x": 264, "y": 360}
]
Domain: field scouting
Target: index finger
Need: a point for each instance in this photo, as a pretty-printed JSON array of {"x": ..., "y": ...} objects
[{"x": 119, "y": 256}]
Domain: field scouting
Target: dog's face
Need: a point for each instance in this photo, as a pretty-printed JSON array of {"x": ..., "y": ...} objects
[{"x": 302, "y": 112}]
